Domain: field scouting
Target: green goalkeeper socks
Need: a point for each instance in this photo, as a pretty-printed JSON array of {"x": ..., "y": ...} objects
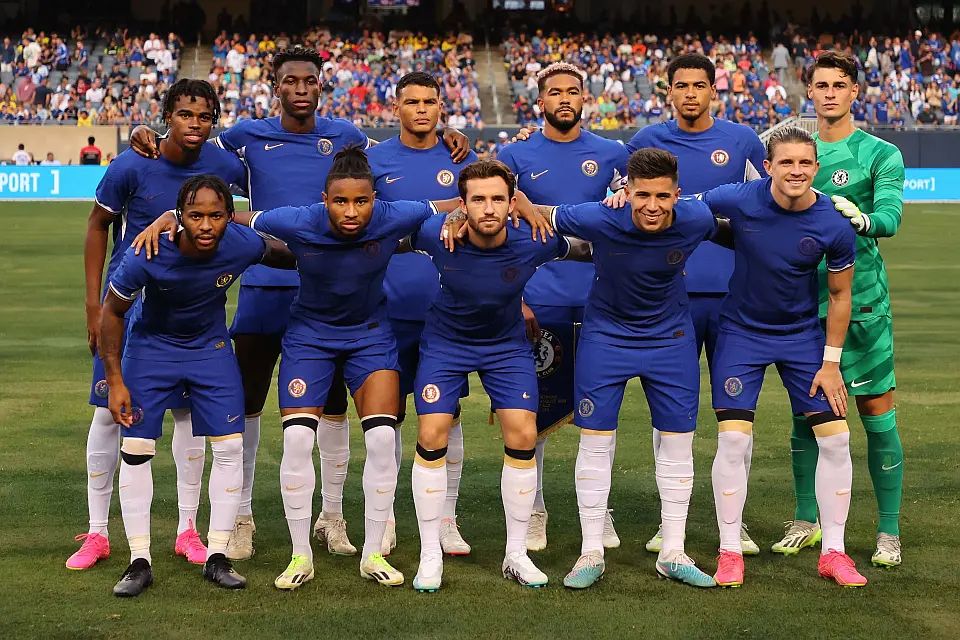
[
  {"x": 804, "y": 451},
  {"x": 885, "y": 461}
]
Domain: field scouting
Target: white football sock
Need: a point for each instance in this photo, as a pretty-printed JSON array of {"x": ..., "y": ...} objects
[
  {"x": 188, "y": 455},
  {"x": 674, "y": 471},
  {"x": 398, "y": 455},
  {"x": 748, "y": 459},
  {"x": 333, "y": 441},
  {"x": 517, "y": 487},
  {"x": 379, "y": 485},
  {"x": 136, "y": 497},
  {"x": 593, "y": 477},
  {"x": 297, "y": 481},
  {"x": 429, "y": 484},
  {"x": 454, "y": 469},
  {"x": 730, "y": 486},
  {"x": 226, "y": 483},
  {"x": 103, "y": 453},
  {"x": 538, "y": 503},
  {"x": 251, "y": 442},
  {"x": 834, "y": 479},
  {"x": 656, "y": 443}
]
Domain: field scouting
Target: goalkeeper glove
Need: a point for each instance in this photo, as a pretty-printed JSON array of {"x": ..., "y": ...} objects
[{"x": 859, "y": 220}]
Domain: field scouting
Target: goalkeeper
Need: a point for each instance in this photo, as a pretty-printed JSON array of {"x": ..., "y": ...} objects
[{"x": 864, "y": 174}]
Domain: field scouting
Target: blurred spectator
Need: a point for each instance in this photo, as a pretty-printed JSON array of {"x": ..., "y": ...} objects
[
  {"x": 90, "y": 154},
  {"x": 50, "y": 161},
  {"x": 22, "y": 157}
]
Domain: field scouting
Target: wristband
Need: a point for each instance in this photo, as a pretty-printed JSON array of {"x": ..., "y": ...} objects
[{"x": 832, "y": 354}]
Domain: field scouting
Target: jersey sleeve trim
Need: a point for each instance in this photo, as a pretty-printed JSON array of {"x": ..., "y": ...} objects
[
  {"x": 123, "y": 296},
  {"x": 839, "y": 269},
  {"x": 105, "y": 207}
]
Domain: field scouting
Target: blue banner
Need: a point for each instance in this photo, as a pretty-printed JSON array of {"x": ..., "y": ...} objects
[{"x": 71, "y": 182}]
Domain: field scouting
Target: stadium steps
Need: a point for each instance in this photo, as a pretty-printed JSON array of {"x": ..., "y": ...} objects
[
  {"x": 494, "y": 90},
  {"x": 196, "y": 61}
]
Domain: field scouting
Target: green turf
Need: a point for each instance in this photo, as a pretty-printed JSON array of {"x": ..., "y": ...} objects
[{"x": 44, "y": 382}]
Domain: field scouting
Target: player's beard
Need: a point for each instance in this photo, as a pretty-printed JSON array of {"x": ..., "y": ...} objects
[{"x": 562, "y": 125}]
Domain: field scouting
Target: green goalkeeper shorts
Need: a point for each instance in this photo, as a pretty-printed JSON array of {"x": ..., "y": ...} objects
[{"x": 867, "y": 360}]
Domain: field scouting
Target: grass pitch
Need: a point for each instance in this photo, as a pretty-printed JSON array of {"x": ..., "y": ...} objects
[{"x": 44, "y": 382}]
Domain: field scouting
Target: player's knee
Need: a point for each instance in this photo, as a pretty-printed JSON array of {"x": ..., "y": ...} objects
[
  {"x": 378, "y": 435},
  {"x": 519, "y": 458},
  {"x": 431, "y": 458},
  {"x": 833, "y": 435},
  {"x": 739, "y": 420},
  {"x": 136, "y": 451},
  {"x": 228, "y": 449},
  {"x": 299, "y": 433}
]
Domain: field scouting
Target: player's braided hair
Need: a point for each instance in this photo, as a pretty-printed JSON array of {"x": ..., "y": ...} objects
[
  {"x": 192, "y": 89},
  {"x": 486, "y": 169},
  {"x": 649, "y": 163},
  {"x": 297, "y": 53},
  {"x": 190, "y": 187},
  {"x": 351, "y": 162},
  {"x": 788, "y": 135},
  {"x": 692, "y": 61}
]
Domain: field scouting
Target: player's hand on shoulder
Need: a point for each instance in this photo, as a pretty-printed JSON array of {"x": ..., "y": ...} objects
[
  {"x": 144, "y": 141},
  {"x": 149, "y": 238},
  {"x": 849, "y": 210},
  {"x": 524, "y": 133},
  {"x": 828, "y": 379},
  {"x": 454, "y": 229},
  {"x": 120, "y": 404},
  {"x": 458, "y": 144},
  {"x": 616, "y": 200}
]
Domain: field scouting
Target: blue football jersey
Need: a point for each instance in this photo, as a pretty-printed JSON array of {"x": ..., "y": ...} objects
[
  {"x": 180, "y": 314},
  {"x": 774, "y": 288},
  {"x": 551, "y": 172},
  {"x": 138, "y": 190},
  {"x": 341, "y": 281},
  {"x": 481, "y": 290},
  {"x": 725, "y": 153},
  {"x": 403, "y": 173},
  {"x": 286, "y": 170},
  {"x": 638, "y": 297}
]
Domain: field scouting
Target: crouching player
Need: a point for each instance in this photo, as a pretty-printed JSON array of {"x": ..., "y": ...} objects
[
  {"x": 178, "y": 341},
  {"x": 637, "y": 324},
  {"x": 782, "y": 229},
  {"x": 476, "y": 324}
]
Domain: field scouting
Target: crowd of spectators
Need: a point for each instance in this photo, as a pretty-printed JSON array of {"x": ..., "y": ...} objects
[
  {"x": 101, "y": 78},
  {"x": 626, "y": 77},
  {"x": 359, "y": 75}
]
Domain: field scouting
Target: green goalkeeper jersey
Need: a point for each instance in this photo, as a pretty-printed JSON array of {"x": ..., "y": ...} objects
[{"x": 869, "y": 172}]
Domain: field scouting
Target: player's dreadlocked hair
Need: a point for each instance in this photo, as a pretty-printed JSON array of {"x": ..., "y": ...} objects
[
  {"x": 351, "y": 162},
  {"x": 194, "y": 89},
  {"x": 298, "y": 53},
  {"x": 787, "y": 135},
  {"x": 486, "y": 169},
  {"x": 692, "y": 61},
  {"x": 649, "y": 163},
  {"x": 190, "y": 187}
]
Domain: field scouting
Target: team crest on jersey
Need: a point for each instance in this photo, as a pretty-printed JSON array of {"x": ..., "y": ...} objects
[
  {"x": 733, "y": 387},
  {"x": 840, "y": 177},
  {"x": 224, "y": 279},
  {"x": 675, "y": 257},
  {"x": 590, "y": 168},
  {"x": 297, "y": 388},
  {"x": 510, "y": 274},
  {"x": 809, "y": 246},
  {"x": 324, "y": 146},
  {"x": 720, "y": 157},
  {"x": 372, "y": 249},
  {"x": 137, "y": 414},
  {"x": 547, "y": 354},
  {"x": 101, "y": 389},
  {"x": 430, "y": 393},
  {"x": 445, "y": 178},
  {"x": 585, "y": 408}
]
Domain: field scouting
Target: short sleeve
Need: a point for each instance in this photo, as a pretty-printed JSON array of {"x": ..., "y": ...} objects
[
  {"x": 281, "y": 223},
  {"x": 842, "y": 252},
  {"x": 506, "y": 157},
  {"x": 557, "y": 248},
  {"x": 253, "y": 245},
  {"x": 620, "y": 158},
  {"x": 639, "y": 140},
  {"x": 723, "y": 201},
  {"x": 115, "y": 188},
  {"x": 580, "y": 220},
  {"x": 405, "y": 216},
  {"x": 235, "y": 171},
  {"x": 427, "y": 237},
  {"x": 231, "y": 139},
  {"x": 130, "y": 277},
  {"x": 756, "y": 154}
]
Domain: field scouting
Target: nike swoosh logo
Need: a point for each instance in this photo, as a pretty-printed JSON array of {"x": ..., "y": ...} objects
[
  {"x": 585, "y": 478},
  {"x": 855, "y": 384},
  {"x": 97, "y": 474},
  {"x": 843, "y": 492},
  {"x": 686, "y": 480},
  {"x": 534, "y": 176},
  {"x": 435, "y": 490},
  {"x": 727, "y": 492},
  {"x": 390, "y": 180},
  {"x": 233, "y": 489},
  {"x": 383, "y": 491},
  {"x": 883, "y": 466},
  {"x": 292, "y": 488},
  {"x": 268, "y": 147},
  {"x": 524, "y": 492},
  {"x": 232, "y": 418},
  {"x": 340, "y": 464},
  {"x": 192, "y": 458}
]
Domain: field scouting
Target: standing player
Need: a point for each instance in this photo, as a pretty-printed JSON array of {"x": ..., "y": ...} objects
[
  {"x": 562, "y": 164},
  {"x": 637, "y": 324},
  {"x": 295, "y": 148},
  {"x": 178, "y": 343},
  {"x": 710, "y": 153},
  {"x": 476, "y": 324},
  {"x": 865, "y": 175},
  {"x": 414, "y": 165},
  {"x": 132, "y": 193},
  {"x": 782, "y": 230}
]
